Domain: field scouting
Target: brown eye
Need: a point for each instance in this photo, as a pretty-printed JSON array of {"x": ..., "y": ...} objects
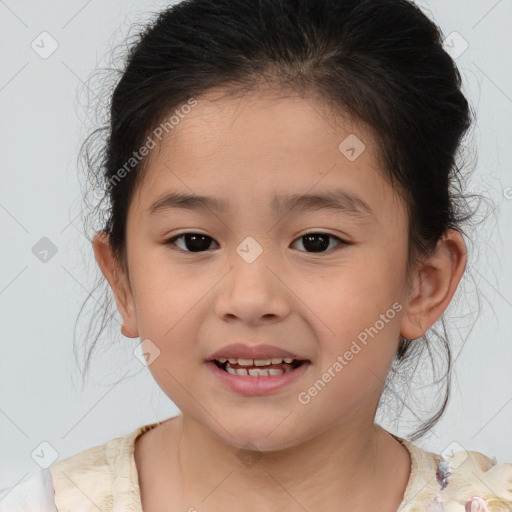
[
  {"x": 193, "y": 242},
  {"x": 319, "y": 242}
]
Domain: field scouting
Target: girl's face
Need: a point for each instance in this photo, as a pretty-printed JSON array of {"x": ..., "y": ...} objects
[{"x": 256, "y": 279}]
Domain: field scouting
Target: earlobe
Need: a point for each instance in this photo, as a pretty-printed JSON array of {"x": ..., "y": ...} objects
[
  {"x": 118, "y": 283},
  {"x": 435, "y": 283}
]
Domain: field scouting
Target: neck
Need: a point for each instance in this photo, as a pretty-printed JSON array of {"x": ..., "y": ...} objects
[{"x": 349, "y": 465}]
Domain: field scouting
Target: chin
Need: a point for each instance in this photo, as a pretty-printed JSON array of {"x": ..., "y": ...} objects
[{"x": 262, "y": 436}]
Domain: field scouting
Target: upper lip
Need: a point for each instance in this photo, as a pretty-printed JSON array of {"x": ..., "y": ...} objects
[{"x": 262, "y": 351}]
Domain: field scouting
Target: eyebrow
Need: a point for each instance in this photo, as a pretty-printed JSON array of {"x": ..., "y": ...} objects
[{"x": 338, "y": 200}]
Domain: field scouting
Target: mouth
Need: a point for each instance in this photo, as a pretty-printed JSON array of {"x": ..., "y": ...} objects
[{"x": 258, "y": 367}]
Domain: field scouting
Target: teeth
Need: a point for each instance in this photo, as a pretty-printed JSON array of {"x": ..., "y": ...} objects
[
  {"x": 262, "y": 362},
  {"x": 254, "y": 372},
  {"x": 256, "y": 362}
]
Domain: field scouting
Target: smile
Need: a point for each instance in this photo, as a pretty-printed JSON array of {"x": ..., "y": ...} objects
[
  {"x": 258, "y": 367},
  {"x": 252, "y": 377}
]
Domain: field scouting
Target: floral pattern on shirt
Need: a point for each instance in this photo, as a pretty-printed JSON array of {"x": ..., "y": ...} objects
[{"x": 471, "y": 482}]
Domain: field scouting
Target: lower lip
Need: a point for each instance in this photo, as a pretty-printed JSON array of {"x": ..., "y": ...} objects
[{"x": 258, "y": 385}]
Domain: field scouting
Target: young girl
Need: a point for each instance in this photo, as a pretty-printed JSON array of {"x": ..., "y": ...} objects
[{"x": 283, "y": 231}]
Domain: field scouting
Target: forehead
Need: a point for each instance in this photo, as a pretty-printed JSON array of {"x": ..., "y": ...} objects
[
  {"x": 262, "y": 124},
  {"x": 257, "y": 145}
]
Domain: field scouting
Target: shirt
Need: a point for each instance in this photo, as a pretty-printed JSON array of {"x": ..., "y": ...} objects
[{"x": 105, "y": 478}]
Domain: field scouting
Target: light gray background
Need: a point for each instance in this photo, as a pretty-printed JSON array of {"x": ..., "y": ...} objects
[{"x": 40, "y": 196}]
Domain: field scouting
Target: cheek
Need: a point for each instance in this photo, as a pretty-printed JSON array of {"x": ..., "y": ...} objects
[
  {"x": 165, "y": 294},
  {"x": 356, "y": 311},
  {"x": 352, "y": 295},
  {"x": 168, "y": 318},
  {"x": 167, "y": 311}
]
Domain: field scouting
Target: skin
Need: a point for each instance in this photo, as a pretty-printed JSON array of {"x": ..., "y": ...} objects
[{"x": 327, "y": 454}]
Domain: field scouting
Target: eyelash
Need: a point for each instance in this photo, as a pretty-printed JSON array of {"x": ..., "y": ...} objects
[{"x": 341, "y": 244}]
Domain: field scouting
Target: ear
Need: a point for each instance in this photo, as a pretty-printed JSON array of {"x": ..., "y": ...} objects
[
  {"x": 433, "y": 285},
  {"x": 118, "y": 282}
]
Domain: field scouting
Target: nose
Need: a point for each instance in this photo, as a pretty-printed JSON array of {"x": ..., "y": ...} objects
[{"x": 253, "y": 292}]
